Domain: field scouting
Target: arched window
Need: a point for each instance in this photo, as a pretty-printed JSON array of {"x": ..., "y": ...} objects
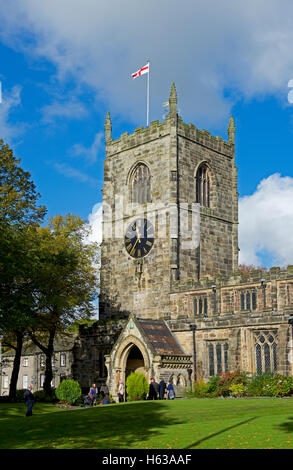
[
  {"x": 203, "y": 185},
  {"x": 266, "y": 351},
  {"x": 141, "y": 184}
]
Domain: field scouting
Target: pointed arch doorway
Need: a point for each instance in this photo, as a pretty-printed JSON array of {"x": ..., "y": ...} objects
[{"x": 134, "y": 361}]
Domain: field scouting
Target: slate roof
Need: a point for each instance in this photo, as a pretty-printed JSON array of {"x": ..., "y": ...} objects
[{"x": 160, "y": 337}]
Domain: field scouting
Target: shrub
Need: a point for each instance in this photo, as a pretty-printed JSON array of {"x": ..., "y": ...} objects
[
  {"x": 238, "y": 390},
  {"x": 270, "y": 385},
  {"x": 257, "y": 385},
  {"x": 5, "y": 399},
  {"x": 280, "y": 386},
  {"x": 199, "y": 389},
  {"x": 19, "y": 397},
  {"x": 137, "y": 386},
  {"x": 228, "y": 379},
  {"x": 68, "y": 391},
  {"x": 41, "y": 396},
  {"x": 213, "y": 383}
]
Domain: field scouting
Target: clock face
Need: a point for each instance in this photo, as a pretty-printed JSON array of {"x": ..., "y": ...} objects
[{"x": 139, "y": 238}]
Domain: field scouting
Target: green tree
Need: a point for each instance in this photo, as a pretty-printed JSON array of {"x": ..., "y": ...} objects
[
  {"x": 18, "y": 196},
  {"x": 19, "y": 213},
  {"x": 65, "y": 283},
  {"x": 137, "y": 386},
  {"x": 69, "y": 391}
]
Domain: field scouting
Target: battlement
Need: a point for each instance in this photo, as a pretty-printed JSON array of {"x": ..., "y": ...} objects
[
  {"x": 205, "y": 138},
  {"x": 237, "y": 278},
  {"x": 141, "y": 135},
  {"x": 157, "y": 129}
]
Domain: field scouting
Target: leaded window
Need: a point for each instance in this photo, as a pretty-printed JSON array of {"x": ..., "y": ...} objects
[
  {"x": 266, "y": 351},
  {"x": 217, "y": 357},
  {"x": 248, "y": 300},
  {"x": 141, "y": 184},
  {"x": 203, "y": 185},
  {"x": 211, "y": 360}
]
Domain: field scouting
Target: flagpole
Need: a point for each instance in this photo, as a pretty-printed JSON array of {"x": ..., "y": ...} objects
[{"x": 148, "y": 94}]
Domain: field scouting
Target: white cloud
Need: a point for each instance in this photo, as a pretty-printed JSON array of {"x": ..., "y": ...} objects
[
  {"x": 10, "y": 100},
  {"x": 74, "y": 173},
  {"x": 71, "y": 109},
  {"x": 95, "y": 223},
  {"x": 204, "y": 47},
  {"x": 266, "y": 222},
  {"x": 89, "y": 153}
]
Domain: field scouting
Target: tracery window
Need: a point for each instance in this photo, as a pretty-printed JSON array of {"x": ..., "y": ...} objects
[
  {"x": 203, "y": 185},
  {"x": 141, "y": 184},
  {"x": 265, "y": 343},
  {"x": 217, "y": 357}
]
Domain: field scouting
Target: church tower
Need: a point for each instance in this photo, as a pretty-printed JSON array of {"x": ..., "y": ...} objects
[{"x": 170, "y": 213}]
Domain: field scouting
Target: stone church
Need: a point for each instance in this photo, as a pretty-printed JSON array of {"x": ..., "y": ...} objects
[
  {"x": 173, "y": 303},
  {"x": 169, "y": 260}
]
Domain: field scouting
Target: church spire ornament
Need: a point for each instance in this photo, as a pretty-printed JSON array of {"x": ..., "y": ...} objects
[
  {"x": 231, "y": 131},
  {"x": 108, "y": 127},
  {"x": 173, "y": 101}
]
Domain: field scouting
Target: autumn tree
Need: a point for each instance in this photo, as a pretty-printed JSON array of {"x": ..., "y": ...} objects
[
  {"x": 19, "y": 214},
  {"x": 64, "y": 282}
]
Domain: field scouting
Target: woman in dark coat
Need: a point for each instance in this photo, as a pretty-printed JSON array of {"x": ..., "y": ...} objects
[
  {"x": 163, "y": 386},
  {"x": 29, "y": 401}
]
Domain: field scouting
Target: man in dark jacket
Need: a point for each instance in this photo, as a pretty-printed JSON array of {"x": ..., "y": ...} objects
[
  {"x": 29, "y": 401},
  {"x": 162, "y": 386},
  {"x": 154, "y": 390}
]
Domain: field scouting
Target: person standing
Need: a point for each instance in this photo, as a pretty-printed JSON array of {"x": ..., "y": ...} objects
[
  {"x": 162, "y": 386},
  {"x": 121, "y": 392},
  {"x": 29, "y": 401},
  {"x": 153, "y": 390},
  {"x": 170, "y": 391},
  {"x": 93, "y": 394}
]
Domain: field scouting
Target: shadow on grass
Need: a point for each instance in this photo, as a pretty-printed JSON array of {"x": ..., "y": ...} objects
[
  {"x": 108, "y": 427},
  {"x": 196, "y": 443},
  {"x": 17, "y": 410},
  {"x": 288, "y": 426}
]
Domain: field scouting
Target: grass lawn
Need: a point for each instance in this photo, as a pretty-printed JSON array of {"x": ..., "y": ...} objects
[{"x": 179, "y": 424}]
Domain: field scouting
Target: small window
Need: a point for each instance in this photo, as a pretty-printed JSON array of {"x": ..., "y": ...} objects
[
  {"x": 205, "y": 306},
  {"x": 242, "y": 301},
  {"x": 5, "y": 381},
  {"x": 24, "y": 381},
  {"x": 62, "y": 359},
  {"x": 247, "y": 300},
  {"x": 42, "y": 360},
  {"x": 53, "y": 361},
  {"x": 195, "y": 306},
  {"x": 200, "y": 305},
  {"x": 253, "y": 300},
  {"x": 211, "y": 360},
  {"x": 25, "y": 362}
]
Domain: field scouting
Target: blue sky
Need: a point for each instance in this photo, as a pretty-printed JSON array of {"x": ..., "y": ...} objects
[{"x": 64, "y": 64}]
